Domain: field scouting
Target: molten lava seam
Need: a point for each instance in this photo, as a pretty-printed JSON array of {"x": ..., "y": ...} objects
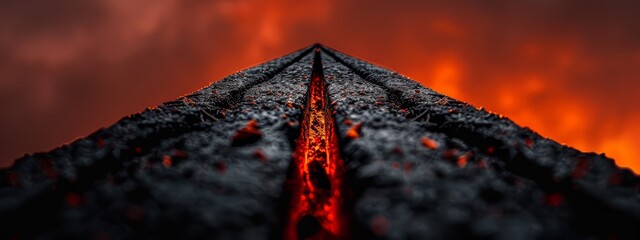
[{"x": 316, "y": 208}]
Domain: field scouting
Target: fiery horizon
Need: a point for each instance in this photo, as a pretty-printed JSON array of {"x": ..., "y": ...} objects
[{"x": 566, "y": 69}]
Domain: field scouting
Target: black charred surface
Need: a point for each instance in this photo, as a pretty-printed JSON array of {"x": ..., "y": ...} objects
[
  {"x": 213, "y": 165},
  {"x": 171, "y": 172},
  {"x": 486, "y": 178}
]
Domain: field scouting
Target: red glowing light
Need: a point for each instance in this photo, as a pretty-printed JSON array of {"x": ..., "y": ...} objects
[
  {"x": 166, "y": 161},
  {"x": 429, "y": 143},
  {"x": 463, "y": 160},
  {"x": 354, "y": 132},
  {"x": 248, "y": 134},
  {"x": 316, "y": 208}
]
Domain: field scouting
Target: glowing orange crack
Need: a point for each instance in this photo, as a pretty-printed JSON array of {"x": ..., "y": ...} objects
[{"x": 316, "y": 210}]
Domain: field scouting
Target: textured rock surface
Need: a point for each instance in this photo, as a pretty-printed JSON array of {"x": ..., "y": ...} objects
[
  {"x": 428, "y": 166},
  {"x": 420, "y": 165},
  {"x": 183, "y": 169}
]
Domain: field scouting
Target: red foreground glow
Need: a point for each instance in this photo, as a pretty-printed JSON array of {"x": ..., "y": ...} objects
[{"x": 316, "y": 208}]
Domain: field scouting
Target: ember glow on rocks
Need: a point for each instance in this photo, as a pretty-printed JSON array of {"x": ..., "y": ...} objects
[
  {"x": 567, "y": 69},
  {"x": 219, "y": 164},
  {"x": 316, "y": 210}
]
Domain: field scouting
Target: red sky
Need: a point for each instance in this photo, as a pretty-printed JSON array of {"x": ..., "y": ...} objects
[{"x": 568, "y": 69}]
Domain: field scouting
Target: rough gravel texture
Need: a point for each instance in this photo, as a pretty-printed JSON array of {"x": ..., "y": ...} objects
[
  {"x": 420, "y": 165},
  {"x": 182, "y": 170},
  {"x": 426, "y": 166}
]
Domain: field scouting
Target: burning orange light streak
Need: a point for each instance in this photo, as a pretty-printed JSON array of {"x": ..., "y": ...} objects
[{"x": 316, "y": 208}]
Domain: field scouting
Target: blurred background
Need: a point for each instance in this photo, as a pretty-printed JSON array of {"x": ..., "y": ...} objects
[{"x": 568, "y": 69}]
